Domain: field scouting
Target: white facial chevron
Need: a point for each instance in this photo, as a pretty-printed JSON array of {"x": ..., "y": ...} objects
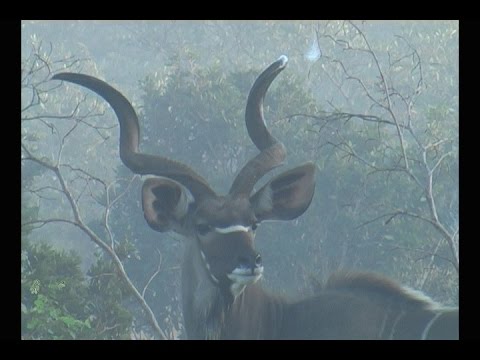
[{"x": 232, "y": 229}]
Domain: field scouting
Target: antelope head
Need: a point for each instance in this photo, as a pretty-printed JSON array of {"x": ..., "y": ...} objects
[{"x": 219, "y": 228}]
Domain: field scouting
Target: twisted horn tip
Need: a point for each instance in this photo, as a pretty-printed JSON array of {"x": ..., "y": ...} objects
[{"x": 283, "y": 59}]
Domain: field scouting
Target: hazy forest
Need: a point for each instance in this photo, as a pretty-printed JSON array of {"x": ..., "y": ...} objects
[{"x": 374, "y": 104}]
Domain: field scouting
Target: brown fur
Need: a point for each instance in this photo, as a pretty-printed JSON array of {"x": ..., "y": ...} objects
[{"x": 380, "y": 287}]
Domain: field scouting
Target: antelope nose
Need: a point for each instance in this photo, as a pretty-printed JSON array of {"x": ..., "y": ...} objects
[
  {"x": 258, "y": 261},
  {"x": 250, "y": 262}
]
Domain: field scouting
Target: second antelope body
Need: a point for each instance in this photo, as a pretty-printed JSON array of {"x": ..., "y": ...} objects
[{"x": 221, "y": 299}]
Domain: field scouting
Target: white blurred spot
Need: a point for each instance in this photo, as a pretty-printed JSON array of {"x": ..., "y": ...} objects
[{"x": 313, "y": 53}]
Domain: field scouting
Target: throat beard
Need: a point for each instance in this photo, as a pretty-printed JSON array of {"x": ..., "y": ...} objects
[{"x": 236, "y": 289}]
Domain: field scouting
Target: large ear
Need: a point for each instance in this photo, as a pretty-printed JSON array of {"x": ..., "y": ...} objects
[
  {"x": 164, "y": 203},
  {"x": 287, "y": 195}
]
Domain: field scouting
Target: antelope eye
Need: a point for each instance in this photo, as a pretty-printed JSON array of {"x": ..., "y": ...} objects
[
  {"x": 203, "y": 229},
  {"x": 254, "y": 226}
]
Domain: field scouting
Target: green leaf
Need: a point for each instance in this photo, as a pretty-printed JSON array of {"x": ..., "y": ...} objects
[
  {"x": 40, "y": 304},
  {"x": 69, "y": 321},
  {"x": 32, "y": 324},
  {"x": 53, "y": 313}
]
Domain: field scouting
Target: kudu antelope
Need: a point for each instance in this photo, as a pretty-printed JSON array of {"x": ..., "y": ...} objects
[{"x": 221, "y": 299}]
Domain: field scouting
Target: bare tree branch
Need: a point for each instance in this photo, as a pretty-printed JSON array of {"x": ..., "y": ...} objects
[
  {"x": 36, "y": 73},
  {"x": 154, "y": 274},
  {"x": 392, "y": 105},
  {"x": 78, "y": 222}
]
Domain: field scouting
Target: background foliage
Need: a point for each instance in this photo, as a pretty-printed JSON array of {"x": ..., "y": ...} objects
[{"x": 374, "y": 104}]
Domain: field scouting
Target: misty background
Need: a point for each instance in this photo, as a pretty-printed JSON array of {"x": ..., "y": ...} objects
[{"x": 373, "y": 103}]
